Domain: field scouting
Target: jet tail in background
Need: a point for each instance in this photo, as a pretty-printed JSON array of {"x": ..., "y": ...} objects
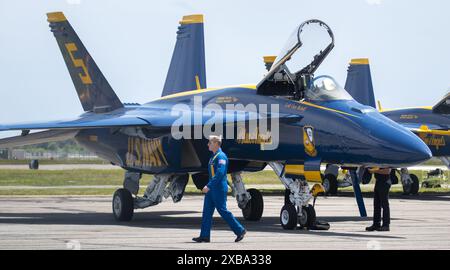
[
  {"x": 93, "y": 89},
  {"x": 359, "y": 82},
  {"x": 187, "y": 67}
]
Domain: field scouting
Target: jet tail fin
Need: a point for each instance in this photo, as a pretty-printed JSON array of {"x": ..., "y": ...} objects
[
  {"x": 93, "y": 89},
  {"x": 359, "y": 82},
  {"x": 187, "y": 67}
]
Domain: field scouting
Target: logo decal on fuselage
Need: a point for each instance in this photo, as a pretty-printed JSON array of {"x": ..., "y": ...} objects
[
  {"x": 308, "y": 141},
  {"x": 254, "y": 137},
  {"x": 433, "y": 140},
  {"x": 408, "y": 117},
  {"x": 144, "y": 153}
]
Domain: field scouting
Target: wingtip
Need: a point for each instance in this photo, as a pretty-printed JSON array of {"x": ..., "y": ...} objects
[
  {"x": 194, "y": 18},
  {"x": 56, "y": 17}
]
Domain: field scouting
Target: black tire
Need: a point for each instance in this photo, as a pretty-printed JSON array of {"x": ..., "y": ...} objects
[
  {"x": 330, "y": 184},
  {"x": 255, "y": 207},
  {"x": 310, "y": 219},
  {"x": 394, "y": 177},
  {"x": 415, "y": 184},
  {"x": 123, "y": 205},
  {"x": 288, "y": 217},
  {"x": 406, "y": 189},
  {"x": 34, "y": 164}
]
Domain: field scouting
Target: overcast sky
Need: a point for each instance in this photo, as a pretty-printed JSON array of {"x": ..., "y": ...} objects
[{"x": 132, "y": 42}]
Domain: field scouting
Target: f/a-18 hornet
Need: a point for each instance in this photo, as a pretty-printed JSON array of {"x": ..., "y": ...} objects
[{"x": 291, "y": 120}]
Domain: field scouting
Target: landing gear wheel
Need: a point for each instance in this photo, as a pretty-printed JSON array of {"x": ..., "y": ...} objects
[
  {"x": 415, "y": 184},
  {"x": 308, "y": 218},
  {"x": 330, "y": 184},
  {"x": 407, "y": 189},
  {"x": 288, "y": 217},
  {"x": 254, "y": 209},
  {"x": 34, "y": 164},
  {"x": 123, "y": 205}
]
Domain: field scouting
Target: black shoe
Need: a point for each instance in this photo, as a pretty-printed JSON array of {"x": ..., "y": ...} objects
[
  {"x": 200, "y": 239},
  {"x": 374, "y": 227},
  {"x": 241, "y": 236},
  {"x": 383, "y": 229}
]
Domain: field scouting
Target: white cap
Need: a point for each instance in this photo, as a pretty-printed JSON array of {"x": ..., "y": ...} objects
[{"x": 215, "y": 138}]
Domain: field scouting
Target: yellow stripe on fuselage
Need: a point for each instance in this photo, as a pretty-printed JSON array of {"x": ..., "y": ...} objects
[
  {"x": 246, "y": 86},
  {"x": 325, "y": 108},
  {"x": 407, "y": 108},
  {"x": 200, "y": 91}
]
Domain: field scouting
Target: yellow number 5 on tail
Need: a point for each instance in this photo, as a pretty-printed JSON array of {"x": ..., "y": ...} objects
[{"x": 71, "y": 48}]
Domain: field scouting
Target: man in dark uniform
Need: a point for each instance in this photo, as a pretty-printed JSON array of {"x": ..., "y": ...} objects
[
  {"x": 216, "y": 194},
  {"x": 381, "y": 200}
]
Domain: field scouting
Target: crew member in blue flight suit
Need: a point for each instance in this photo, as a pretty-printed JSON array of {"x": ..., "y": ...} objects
[{"x": 216, "y": 194}]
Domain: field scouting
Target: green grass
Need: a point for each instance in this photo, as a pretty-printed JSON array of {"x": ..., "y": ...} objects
[
  {"x": 89, "y": 177},
  {"x": 54, "y": 162},
  {"x": 82, "y": 177},
  {"x": 86, "y": 177}
]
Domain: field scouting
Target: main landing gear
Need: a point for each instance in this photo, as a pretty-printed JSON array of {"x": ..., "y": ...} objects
[
  {"x": 125, "y": 199},
  {"x": 250, "y": 201},
  {"x": 410, "y": 182}
]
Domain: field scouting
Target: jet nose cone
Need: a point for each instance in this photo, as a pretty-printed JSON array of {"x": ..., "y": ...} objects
[
  {"x": 401, "y": 146},
  {"x": 415, "y": 149}
]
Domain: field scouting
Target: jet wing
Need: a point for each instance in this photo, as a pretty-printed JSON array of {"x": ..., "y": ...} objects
[
  {"x": 150, "y": 117},
  {"x": 94, "y": 121}
]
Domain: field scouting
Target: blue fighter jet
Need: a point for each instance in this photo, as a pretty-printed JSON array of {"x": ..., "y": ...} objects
[
  {"x": 431, "y": 124},
  {"x": 300, "y": 122}
]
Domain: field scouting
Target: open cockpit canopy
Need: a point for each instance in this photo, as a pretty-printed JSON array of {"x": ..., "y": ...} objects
[{"x": 291, "y": 72}]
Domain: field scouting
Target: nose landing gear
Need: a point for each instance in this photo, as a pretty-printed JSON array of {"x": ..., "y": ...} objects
[{"x": 297, "y": 210}]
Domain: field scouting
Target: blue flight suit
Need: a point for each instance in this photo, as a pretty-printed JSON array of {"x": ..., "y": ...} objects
[{"x": 216, "y": 197}]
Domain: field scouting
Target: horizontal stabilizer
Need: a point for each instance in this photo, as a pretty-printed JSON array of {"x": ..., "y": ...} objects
[{"x": 38, "y": 137}]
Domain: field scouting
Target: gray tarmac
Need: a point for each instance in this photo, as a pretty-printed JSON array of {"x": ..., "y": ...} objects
[{"x": 83, "y": 222}]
